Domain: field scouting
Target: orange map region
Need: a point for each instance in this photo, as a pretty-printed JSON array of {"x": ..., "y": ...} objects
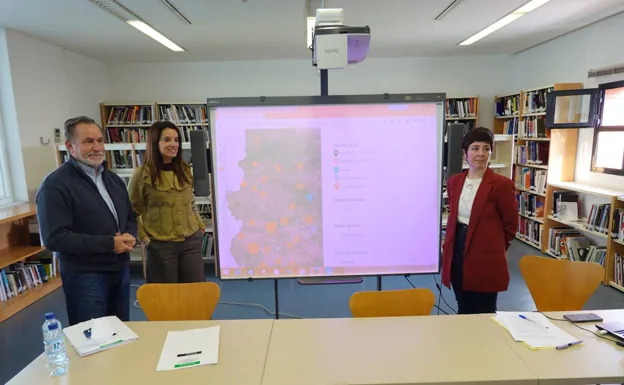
[{"x": 279, "y": 200}]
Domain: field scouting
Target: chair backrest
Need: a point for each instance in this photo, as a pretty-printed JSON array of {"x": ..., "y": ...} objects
[
  {"x": 392, "y": 303},
  {"x": 560, "y": 285},
  {"x": 178, "y": 301}
]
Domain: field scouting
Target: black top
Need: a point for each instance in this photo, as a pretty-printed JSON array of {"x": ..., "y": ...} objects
[{"x": 75, "y": 221}]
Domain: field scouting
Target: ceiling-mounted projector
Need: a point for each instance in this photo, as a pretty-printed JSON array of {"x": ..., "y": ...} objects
[{"x": 336, "y": 45}]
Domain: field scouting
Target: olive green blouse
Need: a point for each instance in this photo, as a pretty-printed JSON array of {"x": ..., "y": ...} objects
[{"x": 167, "y": 211}]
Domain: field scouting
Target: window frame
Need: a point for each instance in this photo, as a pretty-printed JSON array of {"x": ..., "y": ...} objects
[
  {"x": 5, "y": 177},
  {"x": 598, "y": 128}
]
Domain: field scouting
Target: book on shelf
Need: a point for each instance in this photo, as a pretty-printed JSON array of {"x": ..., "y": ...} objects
[
  {"x": 618, "y": 272},
  {"x": 20, "y": 277},
  {"x": 508, "y": 106},
  {"x": 530, "y": 205},
  {"x": 561, "y": 196},
  {"x": 535, "y": 101},
  {"x": 617, "y": 227},
  {"x": 598, "y": 219},
  {"x": 129, "y": 115},
  {"x": 533, "y": 153},
  {"x": 533, "y": 127},
  {"x": 461, "y": 108},
  {"x": 530, "y": 231},
  {"x": 532, "y": 179}
]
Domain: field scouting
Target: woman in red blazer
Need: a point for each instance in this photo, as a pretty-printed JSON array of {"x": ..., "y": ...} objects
[{"x": 482, "y": 222}]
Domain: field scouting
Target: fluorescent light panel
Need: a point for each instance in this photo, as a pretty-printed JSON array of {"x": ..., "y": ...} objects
[
  {"x": 515, "y": 15},
  {"x": 151, "y": 32}
]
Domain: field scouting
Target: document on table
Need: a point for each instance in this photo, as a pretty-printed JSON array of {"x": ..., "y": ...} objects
[
  {"x": 183, "y": 349},
  {"x": 534, "y": 329}
]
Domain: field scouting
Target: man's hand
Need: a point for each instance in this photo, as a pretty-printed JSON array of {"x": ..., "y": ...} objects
[
  {"x": 132, "y": 240},
  {"x": 123, "y": 243}
]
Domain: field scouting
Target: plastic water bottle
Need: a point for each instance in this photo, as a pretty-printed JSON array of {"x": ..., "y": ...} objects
[{"x": 54, "y": 343}]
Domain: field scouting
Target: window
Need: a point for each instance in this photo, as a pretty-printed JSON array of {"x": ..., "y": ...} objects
[
  {"x": 5, "y": 181},
  {"x": 608, "y": 148}
]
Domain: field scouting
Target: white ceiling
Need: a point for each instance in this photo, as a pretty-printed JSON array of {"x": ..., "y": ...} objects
[{"x": 275, "y": 29}]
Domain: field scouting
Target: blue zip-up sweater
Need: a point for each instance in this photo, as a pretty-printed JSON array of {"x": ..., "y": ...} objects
[{"x": 75, "y": 221}]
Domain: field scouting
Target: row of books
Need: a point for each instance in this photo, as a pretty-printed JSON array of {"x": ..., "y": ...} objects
[
  {"x": 532, "y": 179},
  {"x": 510, "y": 127},
  {"x": 530, "y": 231},
  {"x": 128, "y": 115},
  {"x": 535, "y": 101},
  {"x": 126, "y": 135},
  {"x": 533, "y": 153},
  {"x": 618, "y": 275},
  {"x": 22, "y": 276},
  {"x": 533, "y": 127},
  {"x": 184, "y": 114},
  {"x": 508, "y": 105},
  {"x": 530, "y": 205},
  {"x": 598, "y": 219},
  {"x": 569, "y": 243},
  {"x": 461, "y": 108}
]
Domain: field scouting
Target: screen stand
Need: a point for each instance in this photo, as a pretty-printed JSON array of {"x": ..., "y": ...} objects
[
  {"x": 329, "y": 280},
  {"x": 276, "y": 298},
  {"x": 324, "y": 83},
  {"x": 379, "y": 283}
]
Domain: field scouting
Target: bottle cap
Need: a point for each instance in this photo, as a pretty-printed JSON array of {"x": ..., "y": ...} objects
[{"x": 49, "y": 316}]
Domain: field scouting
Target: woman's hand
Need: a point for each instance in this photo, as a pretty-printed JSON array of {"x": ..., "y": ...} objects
[{"x": 145, "y": 241}]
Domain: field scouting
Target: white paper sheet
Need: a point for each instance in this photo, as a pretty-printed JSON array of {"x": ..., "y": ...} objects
[
  {"x": 105, "y": 333},
  {"x": 537, "y": 332},
  {"x": 189, "y": 348}
]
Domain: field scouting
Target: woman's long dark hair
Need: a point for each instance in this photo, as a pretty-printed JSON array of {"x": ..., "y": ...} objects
[{"x": 153, "y": 157}]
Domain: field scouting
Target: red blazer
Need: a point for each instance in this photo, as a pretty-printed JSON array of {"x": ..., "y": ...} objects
[{"x": 493, "y": 225}]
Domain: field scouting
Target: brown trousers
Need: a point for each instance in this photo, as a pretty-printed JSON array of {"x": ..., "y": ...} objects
[{"x": 176, "y": 262}]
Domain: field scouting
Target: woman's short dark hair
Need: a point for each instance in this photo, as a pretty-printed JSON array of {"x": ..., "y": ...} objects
[{"x": 478, "y": 134}]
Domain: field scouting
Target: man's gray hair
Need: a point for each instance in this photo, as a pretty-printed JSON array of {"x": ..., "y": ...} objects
[{"x": 70, "y": 125}]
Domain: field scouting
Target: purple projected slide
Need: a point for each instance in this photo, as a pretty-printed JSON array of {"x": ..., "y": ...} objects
[{"x": 327, "y": 190}]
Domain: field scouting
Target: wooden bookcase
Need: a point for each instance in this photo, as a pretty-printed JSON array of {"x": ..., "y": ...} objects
[
  {"x": 16, "y": 246},
  {"x": 463, "y": 110},
  {"x": 524, "y": 116},
  {"x": 125, "y": 128}
]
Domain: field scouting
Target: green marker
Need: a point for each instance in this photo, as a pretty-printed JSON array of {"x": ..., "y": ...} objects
[{"x": 186, "y": 364}]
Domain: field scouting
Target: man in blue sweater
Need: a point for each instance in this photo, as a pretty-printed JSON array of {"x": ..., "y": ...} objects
[{"x": 86, "y": 217}]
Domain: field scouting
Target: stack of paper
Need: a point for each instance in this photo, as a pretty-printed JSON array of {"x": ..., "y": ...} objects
[
  {"x": 98, "y": 334},
  {"x": 534, "y": 329},
  {"x": 189, "y": 348}
]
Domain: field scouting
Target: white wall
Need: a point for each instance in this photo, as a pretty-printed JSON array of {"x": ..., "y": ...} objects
[
  {"x": 485, "y": 76},
  {"x": 49, "y": 85},
  {"x": 567, "y": 59}
]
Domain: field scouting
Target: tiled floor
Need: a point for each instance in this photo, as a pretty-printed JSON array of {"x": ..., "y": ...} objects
[{"x": 20, "y": 336}]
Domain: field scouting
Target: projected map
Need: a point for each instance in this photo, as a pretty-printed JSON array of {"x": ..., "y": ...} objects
[{"x": 278, "y": 202}]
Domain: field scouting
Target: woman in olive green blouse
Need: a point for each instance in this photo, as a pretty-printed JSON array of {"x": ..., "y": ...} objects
[{"x": 161, "y": 192}]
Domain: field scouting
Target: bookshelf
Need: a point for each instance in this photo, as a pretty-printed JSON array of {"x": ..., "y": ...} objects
[
  {"x": 24, "y": 279},
  {"x": 540, "y": 155},
  {"x": 125, "y": 128},
  {"x": 463, "y": 110}
]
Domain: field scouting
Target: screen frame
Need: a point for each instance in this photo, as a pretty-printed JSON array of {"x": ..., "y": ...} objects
[
  {"x": 598, "y": 128},
  {"x": 274, "y": 101}
]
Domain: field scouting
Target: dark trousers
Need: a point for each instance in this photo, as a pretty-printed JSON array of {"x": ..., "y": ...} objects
[
  {"x": 468, "y": 302},
  {"x": 176, "y": 262},
  {"x": 96, "y": 294}
]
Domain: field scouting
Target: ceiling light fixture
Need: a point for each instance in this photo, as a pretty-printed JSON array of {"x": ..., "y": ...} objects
[
  {"x": 515, "y": 15},
  {"x": 448, "y": 9},
  {"x": 151, "y": 32},
  {"x": 124, "y": 14}
]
